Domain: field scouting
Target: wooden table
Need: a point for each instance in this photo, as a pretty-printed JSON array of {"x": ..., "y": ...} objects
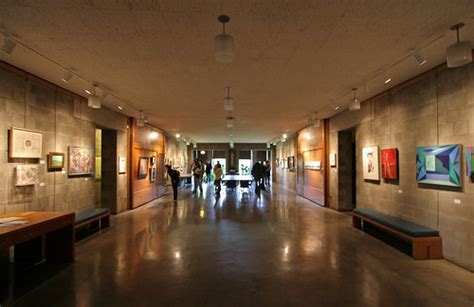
[{"x": 46, "y": 236}]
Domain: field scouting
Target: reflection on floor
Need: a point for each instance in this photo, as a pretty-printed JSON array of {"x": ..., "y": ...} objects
[{"x": 276, "y": 250}]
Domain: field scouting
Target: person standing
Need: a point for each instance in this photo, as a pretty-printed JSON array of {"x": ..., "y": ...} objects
[
  {"x": 257, "y": 173},
  {"x": 174, "y": 175},
  {"x": 217, "y": 178},
  {"x": 208, "y": 171},
  {"x": 197, "y": 173},
  {"x": 268, "y": 170}
]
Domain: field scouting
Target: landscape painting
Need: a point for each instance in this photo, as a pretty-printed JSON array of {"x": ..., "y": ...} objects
[
  {"x": 439, "y": 165},
  {"x": 81, "y": 161}
]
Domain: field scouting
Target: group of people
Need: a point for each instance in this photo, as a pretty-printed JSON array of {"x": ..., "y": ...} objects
[{"x": 261, "y": 174}]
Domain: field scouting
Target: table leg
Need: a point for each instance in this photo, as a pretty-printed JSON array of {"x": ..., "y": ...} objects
[{"x": 60, "y": 245}]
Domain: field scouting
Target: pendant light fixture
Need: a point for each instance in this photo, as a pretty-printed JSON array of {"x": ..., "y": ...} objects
[
  {"x": 228, "y": 101},
  {"x": 230, "y": 122},
  {"x": 224, "y": 43},
  {"x": 141, "y": 119},
  {"x": 94, "y": 101},
  {"x": 460, "y": 53},
  {"x": 355, "y": 105}
]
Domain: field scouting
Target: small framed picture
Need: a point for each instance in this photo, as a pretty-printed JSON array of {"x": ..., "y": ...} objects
[
  {"x": 25, "y": 143},
  {"x": 153, "y": 174},
  {"x": 152, "y": 160},
  {"x": 122, "y": 166},
  {"x": 55, "y": 160},
  {"x": 142, "y": 167}
]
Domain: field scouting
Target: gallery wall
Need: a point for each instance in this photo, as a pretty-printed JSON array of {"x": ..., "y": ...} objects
[
  {"x": 64, "y": 119},
  {"x": 285, "y": 176},
  {"x": 436, "y": 108}
]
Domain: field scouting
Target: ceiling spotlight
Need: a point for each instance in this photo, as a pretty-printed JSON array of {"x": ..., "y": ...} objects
[
  {"x": 224, "y": 43},
  {"x": 230, "y": 122},
  {"x": 120, "y": 107},
  {"x": 94, "y": 101},
  {"x": 141, "y": 120},
  {"x": 178, "y": 135},
  {"x": 228, "y": 101},
  {"x": 284, "y": 135},
  {"x": 336, "y": 108},
  {"x": 420, "y": 59},
  {"x": 66, "y": 76},
  {"x": 355, "y": 105},
  {"x": 187, "y": 143},
  {"x": 7, "y": 46},
  {"x": 460, "y": 53},
  {"x": 388, "y": 80}
]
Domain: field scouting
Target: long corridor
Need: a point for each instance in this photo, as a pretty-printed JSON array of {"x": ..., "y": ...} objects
[{"x": 277, "y": 250}]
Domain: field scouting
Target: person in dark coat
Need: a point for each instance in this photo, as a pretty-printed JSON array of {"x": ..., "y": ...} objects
[
  {"x": 208, "y": 171},
  {"x": 174, "y": 175},
  {"x": 257, "y": 173}
]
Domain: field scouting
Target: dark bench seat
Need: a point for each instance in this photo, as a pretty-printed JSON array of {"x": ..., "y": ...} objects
[
  {"x": 426, "y": 242},
  {"x": 95, "y": 217}
]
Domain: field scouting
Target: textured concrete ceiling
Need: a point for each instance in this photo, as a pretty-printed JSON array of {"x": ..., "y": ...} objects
[{"x": 293, "y": 58}]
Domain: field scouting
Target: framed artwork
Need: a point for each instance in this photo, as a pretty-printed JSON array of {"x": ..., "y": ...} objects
[
  {"x": 312, "y": 165},
  {"x": 277, "y": 162},
  {"x": 55, "y": 160},
  {"x": 291, "y": 163},
  {"x": 81, "y": 161},
  {"x": 332, "y": 160},
  {"x": 389, "y": 163},
  {"x": 25, "y": 143},
  {"x": 370, "y": 163},
  {"x": 122, "y": 165},
  {"x": 469, "y": 160},
  {"x": 152, "y": 160},
  {"x": 153, "y": 174},
  {"x": 439, "y": 165},
  {"x": 26, "y": 175},
  {"x": 142, "y": 167}
]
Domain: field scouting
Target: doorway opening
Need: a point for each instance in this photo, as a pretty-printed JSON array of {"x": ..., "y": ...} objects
[
  {"x": 347, "y": 169},
  {"x": 106, "y": 168}
]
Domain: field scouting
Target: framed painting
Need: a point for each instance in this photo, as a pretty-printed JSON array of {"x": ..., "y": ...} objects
[
  {"x": 122, "y": 165},
  {"x": 142, "y": 167},
  {"x": 152, "y": 160},
  {"x": 153, "y": 174},
  {"x": 26, "y": 175},
  {"x": 291, "y": 163},
  {"x": 389, "y": 163},
  {"x": 81, "y": 161},
  {"x": 469, "y": 160},
  {"x": 332, "y": 160},
  {"x": 55, "y": 160},
  {"x": 439, "y": 165},
  {"x": 25, "y": 143},
  {"x": 370, "y": 163}
]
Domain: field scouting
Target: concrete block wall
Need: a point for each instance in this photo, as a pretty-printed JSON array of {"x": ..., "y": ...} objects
[
  {"x": 437, "y": 110},
  {"x": 26, "y": 102},
  {"x": 283, "y": 151}
]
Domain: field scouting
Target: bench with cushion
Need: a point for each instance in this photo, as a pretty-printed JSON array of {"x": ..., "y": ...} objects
[
  {"x": 96, "y": 217},
  {"x": 425, "y": 242}
]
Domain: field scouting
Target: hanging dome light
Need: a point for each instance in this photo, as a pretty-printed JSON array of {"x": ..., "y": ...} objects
[
  {"x": 141, "y": 120},
  {"x": 230, "y": 122},
  {"x": 460, "y": 53},
  {"x": 224, "y": 43},
  {"x": 355, "y": 105},
  {"x": 228, "y": 101},
  {"x": 94, "y": 101}
]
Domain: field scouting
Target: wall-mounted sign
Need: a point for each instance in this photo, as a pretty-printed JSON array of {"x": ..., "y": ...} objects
[
  {"x": 332, "y": 160},
  {"x": 314, "y": 165}
]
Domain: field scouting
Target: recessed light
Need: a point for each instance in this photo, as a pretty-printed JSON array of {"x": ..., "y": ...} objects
[
  {"x": 66, "y": 77},
  {"x": 388, "y": 80},
  {"x": 336, "y": 108},
  {"x": 178, "y": 135},
  {"x": 120, "y": 107},
  {"x": 88, "y": 91},
  {"x": 285, "y": 135}
]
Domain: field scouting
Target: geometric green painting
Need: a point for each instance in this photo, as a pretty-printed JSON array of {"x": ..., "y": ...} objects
[{"x": 439, "y": 165}]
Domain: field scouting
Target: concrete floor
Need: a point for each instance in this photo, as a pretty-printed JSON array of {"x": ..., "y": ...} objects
[{"x": 280, "y": 250}]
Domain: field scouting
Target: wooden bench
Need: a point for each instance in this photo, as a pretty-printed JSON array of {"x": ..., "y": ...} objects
[
  {"x": 97, "y": 218},
  {"x": 425, "y": 242}
]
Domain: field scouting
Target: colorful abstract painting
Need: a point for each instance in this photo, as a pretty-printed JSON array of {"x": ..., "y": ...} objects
[
  {"x": 469, "y": 160},
  {"x": 81, "y": 161},
  {"x": 439, "y": 165},
  {"x": 389, "y": 163},
  {"x": 370, "y": 163}
]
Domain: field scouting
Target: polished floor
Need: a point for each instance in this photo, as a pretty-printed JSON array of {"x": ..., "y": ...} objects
[{"x": 239, "y": 250}]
